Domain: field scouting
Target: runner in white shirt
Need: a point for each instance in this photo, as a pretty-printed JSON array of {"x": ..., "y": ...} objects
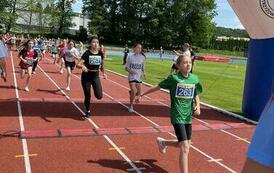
[
  {"x": 70, "y": 54},
  {"x": 135, "y": 66}
]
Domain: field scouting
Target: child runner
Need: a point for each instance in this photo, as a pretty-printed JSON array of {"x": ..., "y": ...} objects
[
  {"x": 3, "y": 56},
  {"x": 27, "y": 55},
  {"x": 37, "y": 48},
  {"x": 70, "y": 54},
  {"x": 135, "y": 66},
  {"x": 61, "y": 48},
  {"x": 90, "y": 63},
  {"x": 184, "y": 88},
  {"x": 54, "y": 51}
]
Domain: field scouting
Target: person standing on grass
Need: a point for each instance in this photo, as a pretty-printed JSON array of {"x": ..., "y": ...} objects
[
  {"x": 27, "y": 56},
  {"x": 161, "y": 53},
  {"x": 3, "y": 56},
  {"x": 71, "y": 54},
  {"x": 184, "y": 88},
  {"x": 135, "y": 66},
  {"x": 126, "y": 51},
  {"x": 91, "y": 61}
]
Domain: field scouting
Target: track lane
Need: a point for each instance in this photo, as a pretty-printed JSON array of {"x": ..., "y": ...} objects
[
  {"x": 139, "y": 120},
  {"x": 9, "y": 126}
]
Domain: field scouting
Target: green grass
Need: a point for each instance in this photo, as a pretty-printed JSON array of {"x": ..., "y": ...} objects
[
  {"x": 221, "y": 53},
  {"x": 222, "y": 82}
]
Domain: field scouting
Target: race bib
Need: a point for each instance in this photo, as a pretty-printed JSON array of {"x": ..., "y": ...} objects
[
  {"x": 95, "y": 60},
  {"x": 29, "y": 60},
  {"x": 185, "y": 91}
]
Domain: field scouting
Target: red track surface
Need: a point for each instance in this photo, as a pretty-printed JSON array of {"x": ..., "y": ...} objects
[{"x": 45, "y": 109}]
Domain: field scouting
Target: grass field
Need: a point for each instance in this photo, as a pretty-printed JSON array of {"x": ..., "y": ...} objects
[{"x": 222, "y": 82}]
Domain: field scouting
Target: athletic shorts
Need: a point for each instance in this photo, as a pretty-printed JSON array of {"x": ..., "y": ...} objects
[
  {"x": 135, "y": 81},
  {"x": 183, "y": 131},
  {"x": 70, "y": 64}
]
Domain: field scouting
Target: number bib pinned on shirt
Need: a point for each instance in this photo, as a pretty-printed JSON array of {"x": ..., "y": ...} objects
[
  {"x": 29, "y": 60},
  {"x": 185, "y": 91},
  {"x": 95, "y": 60}
]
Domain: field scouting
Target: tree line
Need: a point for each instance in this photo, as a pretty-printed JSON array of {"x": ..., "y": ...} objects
[{"x": 154, "y": 23}]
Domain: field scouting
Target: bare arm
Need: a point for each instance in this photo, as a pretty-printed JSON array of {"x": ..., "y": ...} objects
[
  {"x": 81, "y": 65},
  {"x": 151, "y": 90},
  {"x": 197, "y": 109}
]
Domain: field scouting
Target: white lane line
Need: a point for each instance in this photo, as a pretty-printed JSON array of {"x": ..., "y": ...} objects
[
  {"x": 205, "y": 104},
  {"x": 237, "y": 137},
  {"x": 21, "y": 121},
  {"x": 195, "y": 148},
  {"x": 204, "y": 122},
  {"x": 134, "y": 167},
  {"x": 219, "y": 160}
]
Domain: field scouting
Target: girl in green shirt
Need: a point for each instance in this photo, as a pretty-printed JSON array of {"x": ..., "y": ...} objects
[{"x": 184, "y": 88}]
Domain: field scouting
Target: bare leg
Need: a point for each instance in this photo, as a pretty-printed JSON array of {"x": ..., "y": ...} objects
[
  {"x": 132, "y": 95},
  {"x": 62, "y": 66},
  {"x": 28, "y": 78},
  {"x": 184, "y": 151},
  {"x": 68, "y": 78},
  {"x": 22, "y": 73}
]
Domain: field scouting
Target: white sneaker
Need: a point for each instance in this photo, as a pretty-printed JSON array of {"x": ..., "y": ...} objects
[
  {"x": 130, "y": 109},
  {"x": 27, "y": 89},
  {"x": 67, "y": 89},
  {"x": 161, "y": 145}
]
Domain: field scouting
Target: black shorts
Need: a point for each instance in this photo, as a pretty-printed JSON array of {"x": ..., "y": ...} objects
[
  {"x": 70, "y": 64},
  {"x": 135, "y": 81},
  {"x": 183, "y": 131}
]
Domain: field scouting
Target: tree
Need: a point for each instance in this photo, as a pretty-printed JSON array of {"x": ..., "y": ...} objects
[
  {"x": 155, "y": 23},
  {"x": 64, "y": 15},
  {"x": 95, "y": 10}
]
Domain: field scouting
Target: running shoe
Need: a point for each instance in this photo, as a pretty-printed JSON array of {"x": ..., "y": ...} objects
[
  {"x": 161, "y": 145},
  {"x": 86, "y": 115},
  {"x": 27, "y": 89},
  {"x": 130, "y": 109}
]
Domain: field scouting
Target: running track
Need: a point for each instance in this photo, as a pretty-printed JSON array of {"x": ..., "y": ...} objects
[{"x": 55, "y": 139}]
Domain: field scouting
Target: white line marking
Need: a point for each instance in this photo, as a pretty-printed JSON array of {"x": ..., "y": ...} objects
[
  {"x": 237, "y": 137},
  {"x": 215, "y": 160},
  {"x": 205, "y": 104},
  {"x": 231, "y": 134},
  {"x": 134, "y": 167},
  {"x": 21, "y": 121},
  {"x": 195, "y": 148}
]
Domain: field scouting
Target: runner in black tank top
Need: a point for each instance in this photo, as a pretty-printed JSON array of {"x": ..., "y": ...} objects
[{"x": 91, "y": 62}]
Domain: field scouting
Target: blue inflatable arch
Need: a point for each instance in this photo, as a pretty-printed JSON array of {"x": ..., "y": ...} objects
[{"x": 257, "y": 16}]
